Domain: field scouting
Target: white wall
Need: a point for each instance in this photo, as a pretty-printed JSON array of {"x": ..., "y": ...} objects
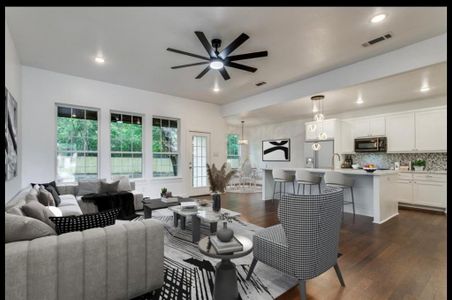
[
  {"x": 13, "y": 82},
  {"x": 42, "y": 89}
]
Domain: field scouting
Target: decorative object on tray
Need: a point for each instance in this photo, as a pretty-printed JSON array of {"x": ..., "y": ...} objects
[
  {"x": 225, "y": 234},
  {"x": 276, "y": 150},
  {"x": 189, "y": 206},
  {"x": 165, "y": 195},
  {"x": 369, "y": 168},
  {"x": 221, "y": 247},
  {"x": 419, "y": 165},
  {"x": 170, "y": 200},
  {"x": 218, "y": 180}
]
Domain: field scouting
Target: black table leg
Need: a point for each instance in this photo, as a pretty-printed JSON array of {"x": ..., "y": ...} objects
[
  {"x": 225, "y": 281},
  {"x": 182, "y": 222},
  {"x": 175, "y": 219},
  {"x": 147, "y": 212},
  {"x": 213, "y": 227},
  {"x": 196, "y": 228}
]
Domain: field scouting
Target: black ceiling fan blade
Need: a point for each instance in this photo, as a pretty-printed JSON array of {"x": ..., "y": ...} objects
[
  {"x": 202, "y": 37},
  {"x": 189, "y": 65},
  {"x": 240, "y": 66},
  {"x": 224, "y": 73},
  {"x": 203, "y": 72},
  {"x": 234, "y": 45},
  {"x": 187, "y": 53},
  {"x": 248, "y": 55}
]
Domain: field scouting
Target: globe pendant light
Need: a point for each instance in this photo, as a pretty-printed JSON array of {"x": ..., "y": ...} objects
[
  {"x": 242, "y": 140},
  {"x": 317, "y": 109}
]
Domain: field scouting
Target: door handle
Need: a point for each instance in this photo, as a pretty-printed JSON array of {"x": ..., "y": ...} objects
[{"x": 190, "y": 165}]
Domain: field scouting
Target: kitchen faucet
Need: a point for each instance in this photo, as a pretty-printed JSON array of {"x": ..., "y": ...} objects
[{"x": 332, "y": 159}]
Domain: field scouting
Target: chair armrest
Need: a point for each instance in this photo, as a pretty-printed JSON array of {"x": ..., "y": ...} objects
[{"x": 121, "y": 261}]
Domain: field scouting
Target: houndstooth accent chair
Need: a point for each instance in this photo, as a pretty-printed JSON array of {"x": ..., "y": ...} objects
[{"x": 306, "y": 242}]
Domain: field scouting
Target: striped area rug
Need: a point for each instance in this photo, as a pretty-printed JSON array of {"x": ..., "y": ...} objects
[{"x": 191, "y": 275}]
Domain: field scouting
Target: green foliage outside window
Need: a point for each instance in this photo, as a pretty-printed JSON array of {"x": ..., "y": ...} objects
[
  {"x": 165, "y": 147},
  {"x": 233, "y": 150}
]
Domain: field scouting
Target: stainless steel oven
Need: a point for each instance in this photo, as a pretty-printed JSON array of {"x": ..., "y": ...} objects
[{"x": 374, "y": 144}]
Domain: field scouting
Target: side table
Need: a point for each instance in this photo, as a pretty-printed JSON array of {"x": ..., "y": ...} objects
[{"x": 225, "y": 274}]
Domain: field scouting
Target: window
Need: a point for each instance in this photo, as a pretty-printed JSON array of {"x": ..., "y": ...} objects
[
  {"x": 126, "y": 140},
  {"x": 233, "y": 150},
  {"x": 165, "y": 147},
  {"x": 77, "y": 143}
]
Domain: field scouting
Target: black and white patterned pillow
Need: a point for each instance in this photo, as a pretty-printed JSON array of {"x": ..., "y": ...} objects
[{"x": 83, "y": 222}]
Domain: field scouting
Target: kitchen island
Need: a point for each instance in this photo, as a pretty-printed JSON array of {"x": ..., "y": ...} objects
[{"x": 374, "y": 192}]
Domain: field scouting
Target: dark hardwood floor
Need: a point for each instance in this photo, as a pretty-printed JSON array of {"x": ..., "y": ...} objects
[{"x": 404, "y": 258}]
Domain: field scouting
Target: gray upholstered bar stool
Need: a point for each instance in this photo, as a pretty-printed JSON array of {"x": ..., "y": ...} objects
[
  {"x": 338, "y": 179},
  {"x": 282, "y": 177},
  {"x": 303, "y": 178}
]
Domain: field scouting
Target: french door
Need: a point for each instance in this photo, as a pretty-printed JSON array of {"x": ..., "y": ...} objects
[{"x": 199, "y": 156}]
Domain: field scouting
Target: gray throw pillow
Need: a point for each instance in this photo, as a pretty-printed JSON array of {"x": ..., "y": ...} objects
[
  {"x": 109, "y": 187},
  {"x": 36, "y": 210},
  {"x": 32, "y": 195},
  {"x": 55, "y": 195},
  {"x": 88, "y": 187},
  {"x": 15, "y": 211},
  {"x": 21, "y": 228},
  {"x": 45, "y": 197},
  {"x": 124, "y": 183}
]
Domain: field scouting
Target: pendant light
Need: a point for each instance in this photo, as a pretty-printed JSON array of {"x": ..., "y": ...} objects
[
  {"x": 317, "y": 110},
  {"x": 242, "y": 140}
]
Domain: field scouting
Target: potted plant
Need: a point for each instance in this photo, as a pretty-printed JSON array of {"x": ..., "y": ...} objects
[
  {"x": 218, "y": 180},
  {"x": 163, "y": 192},
  {"x": 419, "y": 165}
]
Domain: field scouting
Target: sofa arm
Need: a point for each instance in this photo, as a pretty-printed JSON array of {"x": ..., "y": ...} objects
[{"x": 121, "y": 261}]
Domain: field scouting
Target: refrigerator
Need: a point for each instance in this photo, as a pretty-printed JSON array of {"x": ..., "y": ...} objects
[{"x": 320, "y": 159}]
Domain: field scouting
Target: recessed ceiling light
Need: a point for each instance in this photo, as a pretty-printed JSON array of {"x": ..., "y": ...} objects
[
  {"x": 378, "y": 18},
  {"x": 216, "y": 90},
  {"x": 359, "y": 101},
  {"x": 425, "y": 89},
  {"x": 99, "y": 60}
]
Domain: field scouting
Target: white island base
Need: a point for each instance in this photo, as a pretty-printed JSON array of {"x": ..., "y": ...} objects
[{"x": 374, "y": 192}]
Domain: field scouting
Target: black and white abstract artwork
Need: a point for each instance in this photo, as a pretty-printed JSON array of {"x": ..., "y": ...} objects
[
  {"x": 10, "y": 136},
  {"x": 276, "y": 150}
]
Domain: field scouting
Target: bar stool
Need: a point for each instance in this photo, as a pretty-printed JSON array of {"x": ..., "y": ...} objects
[
  {"x": 303, "y": 178},
  {"x": 282, "y": 177},
  {"x": 338, "y": 179}
]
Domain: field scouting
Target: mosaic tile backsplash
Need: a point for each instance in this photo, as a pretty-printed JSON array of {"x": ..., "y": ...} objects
[{"x": 433, "y": 161}]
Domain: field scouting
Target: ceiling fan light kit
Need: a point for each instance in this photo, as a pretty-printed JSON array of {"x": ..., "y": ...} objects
[{"x": 219, "y": 60}]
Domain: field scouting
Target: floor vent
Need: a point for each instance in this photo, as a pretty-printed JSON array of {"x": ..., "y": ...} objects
[{"x": 378, "y": 39}]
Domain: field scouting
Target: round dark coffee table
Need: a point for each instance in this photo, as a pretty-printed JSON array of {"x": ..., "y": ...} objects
[{"x": 225, "y": 274}]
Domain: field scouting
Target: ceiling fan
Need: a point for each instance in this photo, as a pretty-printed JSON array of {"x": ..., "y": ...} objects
[{"x": 219, "y": 60}]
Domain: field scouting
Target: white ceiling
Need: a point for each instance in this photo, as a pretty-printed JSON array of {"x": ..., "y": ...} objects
[
  {"x": 399, "y": 88},
  {"x": 301, "y": 41}
]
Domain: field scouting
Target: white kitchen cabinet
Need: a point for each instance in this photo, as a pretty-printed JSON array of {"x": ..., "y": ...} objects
[
  {"x": 368, "y": 127},
  {"x": 421, "y": 189},
  {"x": 377, "y": 126},
  {"x": 431, "y": 130},
  {"x": 347, "y": 139},
  {"x": 400, "y": 132}
]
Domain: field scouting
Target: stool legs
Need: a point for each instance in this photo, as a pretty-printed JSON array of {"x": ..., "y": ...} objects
[
  {"x": 274, "y": 192},
  {"x": 353, "y": 204},
  {"x": 320, "y": 191}
]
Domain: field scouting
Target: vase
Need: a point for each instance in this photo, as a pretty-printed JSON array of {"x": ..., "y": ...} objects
[
  {"x": 225, "y": 234},
  {"x": 418, "y": 168},
  {"x": 216, "y": 206}
]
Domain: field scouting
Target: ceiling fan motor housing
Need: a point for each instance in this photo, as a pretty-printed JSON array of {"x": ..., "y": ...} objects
[{"x": 216, "y": 43}]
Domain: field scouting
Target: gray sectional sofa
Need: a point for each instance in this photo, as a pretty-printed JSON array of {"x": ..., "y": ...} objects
[{"x": 120, "y": 261}]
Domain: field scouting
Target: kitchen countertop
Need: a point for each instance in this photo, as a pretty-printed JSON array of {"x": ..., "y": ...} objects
[
  {"x": 425, "y": 172},
  {"x": 343, "y": 171}
]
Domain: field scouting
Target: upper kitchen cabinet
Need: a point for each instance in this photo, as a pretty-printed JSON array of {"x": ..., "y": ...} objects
[
  {"x": 368, "y": 127},
  {"x": 431, "y": 130},
  {"x": 347, "y": 140},
  {"x": 400, "y": 132}
]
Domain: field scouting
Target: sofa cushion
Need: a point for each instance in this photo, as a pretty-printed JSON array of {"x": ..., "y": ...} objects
[
  {"x": 88, "y": 187},
  {"x": 45, "y": 197},
  {"x": 109, "y": 187},
  {"x": 69, "y": 206},
  {"x": 124, "y": 183},
  {"x": 83, "y": 222},
  {"x": 55, "y": 195},
  {"x": 32, "y": 195},
  {"x": 36, "y": 210},
  {"x": 52, "y": 183},
  {"x": 22, "y": 228}
]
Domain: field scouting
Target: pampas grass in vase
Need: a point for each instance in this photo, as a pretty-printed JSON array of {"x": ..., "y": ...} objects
[{"x": 218, "y": 180}]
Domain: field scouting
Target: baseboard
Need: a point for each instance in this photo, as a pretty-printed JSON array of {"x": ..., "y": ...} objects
[
  {"x": 387, "y": 219},
  {"x": 426, "y": 209}
]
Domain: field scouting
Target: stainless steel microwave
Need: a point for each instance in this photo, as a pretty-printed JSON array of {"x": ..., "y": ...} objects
[{"x": 373, "y": 144}]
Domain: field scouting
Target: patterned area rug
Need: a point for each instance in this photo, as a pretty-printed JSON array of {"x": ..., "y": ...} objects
[{"x": 191, "y": 275}]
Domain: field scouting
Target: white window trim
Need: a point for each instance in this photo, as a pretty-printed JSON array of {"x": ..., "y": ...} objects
[
  {"x": 56, "y": 136},
  {"x": 143, "y": 133},
  {"x": 178, "y": 176}
]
